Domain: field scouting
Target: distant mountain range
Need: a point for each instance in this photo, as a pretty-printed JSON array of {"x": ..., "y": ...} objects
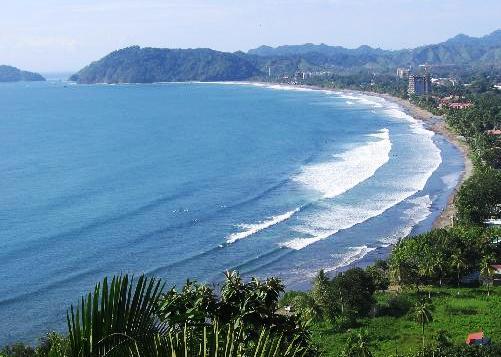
[
  {"x": 146, "y": 65},
  {"x": 13, "y": 74}
]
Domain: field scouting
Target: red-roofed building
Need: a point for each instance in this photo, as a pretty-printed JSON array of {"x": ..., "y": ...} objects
[
  {"x": 454, "y": 102},
  {"x": 477, "y": 338},
  {"x": 494, "y": 132}
]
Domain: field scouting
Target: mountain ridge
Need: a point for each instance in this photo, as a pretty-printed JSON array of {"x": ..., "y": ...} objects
[{"x": 146, "y": 65}]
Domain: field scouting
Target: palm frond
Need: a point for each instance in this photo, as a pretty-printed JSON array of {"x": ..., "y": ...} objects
[{"x": 118, "y": 319}]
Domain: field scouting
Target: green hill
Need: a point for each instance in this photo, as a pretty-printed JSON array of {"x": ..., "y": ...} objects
[{"x": 148, "y": 65}]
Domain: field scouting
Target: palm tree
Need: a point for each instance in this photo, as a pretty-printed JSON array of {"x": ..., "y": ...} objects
[
  {"x": 127, "y": 319},
  {"x": 439, "y": 263},
  {"x": 487, "y": 271},
  {"x": 212, "y": 341},
  {"x": 397, "y": 272},
  {"x": 458, "y": 263},
  {"x": 423, "y": 315},
  {"x": 427, "y": 270},
  {"x": 117, "y": 319}
]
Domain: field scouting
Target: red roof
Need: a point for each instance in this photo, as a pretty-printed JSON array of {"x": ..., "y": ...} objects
[
  {"x": 494, "y": 132},
  {"x": 472, "y": 337}
]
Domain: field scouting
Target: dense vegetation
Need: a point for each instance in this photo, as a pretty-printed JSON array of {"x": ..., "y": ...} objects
[
  {"x": 394, "y": 330},
  {"x": 127, "y": 318},
  {"x": 480, "y": 196},
  {"x": 13, "y": 74},
  {"x": 401, "y": 305},
  {"x": 148, "y": 65}
]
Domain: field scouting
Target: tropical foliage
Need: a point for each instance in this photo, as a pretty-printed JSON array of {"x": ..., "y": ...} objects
[
  {"x": 125, "y": 317},
  {"x": 443, "y": 255}
]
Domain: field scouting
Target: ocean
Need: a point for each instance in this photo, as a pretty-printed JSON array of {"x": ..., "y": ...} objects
[{"x": 187, "y": 180}]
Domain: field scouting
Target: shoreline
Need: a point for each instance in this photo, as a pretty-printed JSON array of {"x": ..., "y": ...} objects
[
  {"x": 438, "y": 125},
  {"x": 432, "y": 122}
]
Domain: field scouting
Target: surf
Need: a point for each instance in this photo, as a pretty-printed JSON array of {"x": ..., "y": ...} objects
[
  {"x": 348, "y": 169},
  {"x": 250, "y": 229}
]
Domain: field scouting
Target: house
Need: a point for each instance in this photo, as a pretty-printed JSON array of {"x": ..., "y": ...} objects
[
  {"x": 477, "y": 339},
  {"x": 454, "y": 102},
  {"x": 496, "y": 281},
  {"x": 494, "y": 132}
]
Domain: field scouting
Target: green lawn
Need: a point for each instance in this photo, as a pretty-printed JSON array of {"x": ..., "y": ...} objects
[{"x": 471, "y": 310}]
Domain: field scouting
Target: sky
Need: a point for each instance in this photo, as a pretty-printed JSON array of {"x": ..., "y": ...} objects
[{"x": 65, "y": 35}]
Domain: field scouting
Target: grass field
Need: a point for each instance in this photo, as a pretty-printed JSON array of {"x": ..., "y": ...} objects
[{"x": 472, "y": 310}]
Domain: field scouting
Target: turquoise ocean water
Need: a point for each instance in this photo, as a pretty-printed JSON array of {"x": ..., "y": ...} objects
[{"x": 188, "y": 180}]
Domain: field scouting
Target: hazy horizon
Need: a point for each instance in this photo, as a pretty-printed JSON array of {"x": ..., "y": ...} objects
[{"x": 60, "y": 37}]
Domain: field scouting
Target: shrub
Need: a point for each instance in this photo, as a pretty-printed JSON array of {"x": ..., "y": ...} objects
[{"x": 396, "y": 306}]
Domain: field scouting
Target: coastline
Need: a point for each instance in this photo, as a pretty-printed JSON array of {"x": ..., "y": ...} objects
[
  {"x": 437, "y": 124},
  {"x": 432, "y": 122}
]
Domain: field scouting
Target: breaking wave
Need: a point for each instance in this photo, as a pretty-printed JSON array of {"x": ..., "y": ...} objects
[
  {"x": 354, "y": 254},
  {"x": 347, "y": 169},
  {"x": 250, "y": 229},
  {"x": 331, "y": 217}
]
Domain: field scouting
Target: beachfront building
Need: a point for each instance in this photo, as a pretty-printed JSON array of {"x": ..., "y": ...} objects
[
  {"x": 419, "y": 85},
  {"x": 454, "y": 102}
]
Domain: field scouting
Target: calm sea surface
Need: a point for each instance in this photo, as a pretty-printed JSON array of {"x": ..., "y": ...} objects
[{"x": 188, "y": 180}]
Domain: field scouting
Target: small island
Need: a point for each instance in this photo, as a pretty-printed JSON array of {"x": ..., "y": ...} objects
[{"x": 13, "y": 74}]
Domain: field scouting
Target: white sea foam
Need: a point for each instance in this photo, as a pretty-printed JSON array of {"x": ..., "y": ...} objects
[
  {"x": 372, "y": 101},
  {"x": 451, "y": 180},
  {"x": 355, "y": 166},
  {"x": 420, "y": 210},
  {"x": 354, "y": 254},
  {"x": 349, "y": 168},
  {"x": 322, "y": 224},
  {"x": 250, "y": 229}
]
